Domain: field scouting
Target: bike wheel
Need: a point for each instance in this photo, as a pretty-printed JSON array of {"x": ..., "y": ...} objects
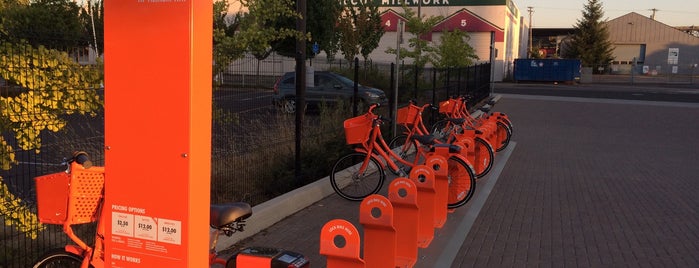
[
  {"x": 504, "y": 134},
  {"x": 59, "y": 258},
  {"x": 352, "y": 184},
  {"x": 484, "y": 157},
  {"x": 462, "y": 182},
  {"x": 440, "y": 129},
  {"x": 406, "y": 150}
]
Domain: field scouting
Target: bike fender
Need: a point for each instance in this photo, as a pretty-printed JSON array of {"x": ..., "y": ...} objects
[{"x": 74, "y": 249}]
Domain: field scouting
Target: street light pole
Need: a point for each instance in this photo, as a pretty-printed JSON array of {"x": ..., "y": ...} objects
[{"x": 529, "y": 49}]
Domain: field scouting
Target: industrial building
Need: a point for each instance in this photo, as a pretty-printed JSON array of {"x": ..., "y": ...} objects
[{"x": 641, "y": 43}]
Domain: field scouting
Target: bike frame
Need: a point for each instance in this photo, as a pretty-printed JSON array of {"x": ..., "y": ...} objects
[{"x": 417, "y": 127}]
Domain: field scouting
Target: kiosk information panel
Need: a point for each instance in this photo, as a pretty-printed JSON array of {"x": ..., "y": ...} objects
[{"x": 157, "y": 132}]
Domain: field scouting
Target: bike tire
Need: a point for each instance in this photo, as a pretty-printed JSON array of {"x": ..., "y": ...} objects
[
  {"x": 59, "y": 258},
  {"x": 504, "y": 132},
  {"x": 485, "y": 156},
  {"x": 462, "y": 182},
  {"x": 360, "y": 185},
  {"x": 439, "y": 129}
]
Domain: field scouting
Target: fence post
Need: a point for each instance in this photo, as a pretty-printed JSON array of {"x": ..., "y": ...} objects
[
  {"x": 394, "y": 99},
  {"x": 356, "y": 87}
]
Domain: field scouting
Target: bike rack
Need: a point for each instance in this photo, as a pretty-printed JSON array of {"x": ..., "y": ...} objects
[
  {"x": 402, "y": 193},
  {"x": 340, "y": 244},
  {"x": 397, "y": 226},
  {"x": 423, "y": 177},
  {"x": 439, "y": 166},
  {"x": 376, "y": 216}
]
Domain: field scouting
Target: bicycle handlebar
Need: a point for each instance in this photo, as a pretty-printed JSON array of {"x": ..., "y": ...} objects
[{"x": 81, "y": 158}]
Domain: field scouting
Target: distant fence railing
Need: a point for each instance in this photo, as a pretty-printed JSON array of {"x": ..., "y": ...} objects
[{"x": 647, "y": 73}]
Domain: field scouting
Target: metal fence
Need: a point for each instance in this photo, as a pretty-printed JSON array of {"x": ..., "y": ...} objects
[
  {"x": 252, "y": 142},
  {"x": 647, "y": 73}
]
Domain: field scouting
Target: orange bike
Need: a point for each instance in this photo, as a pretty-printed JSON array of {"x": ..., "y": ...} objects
[
  {"x": 76, "y": 196},
  {"x": 476, "y": 149},
  {"x": 496, "y": 129},
  {"x": 362, "y": 173}
]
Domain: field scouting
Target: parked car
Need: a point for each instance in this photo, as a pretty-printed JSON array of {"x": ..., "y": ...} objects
[{"x": 327, "y": 87}]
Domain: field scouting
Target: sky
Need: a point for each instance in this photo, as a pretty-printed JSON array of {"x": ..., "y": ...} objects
[{"x": 565, "y": 13}]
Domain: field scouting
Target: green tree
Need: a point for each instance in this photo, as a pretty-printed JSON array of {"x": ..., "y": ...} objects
[
  {"x": 48, "y": 23},
  {"x": 418, "y": 27},
  {"x": 93, "y": 22},
  {"x": 453, "y": 50},
  {"x": 251, "y": 31},
  {"x": 52, "y": 84},
  {"x": 321, "y": 21},
  {"x": 590, "y": 42},
  {"x": 359, "y": 30}
]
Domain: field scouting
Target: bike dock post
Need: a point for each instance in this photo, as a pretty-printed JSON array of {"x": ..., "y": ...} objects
[
  {"x": 439, "y": 165},
  {"x": 376, "y": 216},
  {"x": 340, "y": 244},
  {"x": 402, "y": 193},
  {"x": 423, "y": 177}
]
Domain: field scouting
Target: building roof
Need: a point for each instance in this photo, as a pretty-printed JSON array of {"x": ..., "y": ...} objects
[{"x": 635, "y": 28}]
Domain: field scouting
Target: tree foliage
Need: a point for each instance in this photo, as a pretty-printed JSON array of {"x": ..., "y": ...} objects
[
  {"x": 49, "y": 23},
  {"x": 590, "y": 43},
  {"x": 418, "y": 27},
  {"x": 254, "y": 31},
  {"x": 359, "y": 30},
  {"x": 93, "y": 20},
  {"x": 50, "y": 84},
  {"x": 453, "y": 51},
  {"x": 321, "y": 22}
]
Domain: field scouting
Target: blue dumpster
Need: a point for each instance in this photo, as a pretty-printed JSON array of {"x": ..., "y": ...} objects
[{"x": 547, "y": 70}]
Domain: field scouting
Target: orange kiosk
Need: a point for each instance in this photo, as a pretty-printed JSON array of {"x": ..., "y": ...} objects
[{"x": 158, "y": 63}]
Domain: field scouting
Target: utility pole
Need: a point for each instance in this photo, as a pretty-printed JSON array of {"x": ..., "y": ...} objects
[
  {"x": 529, "y": 49},
  {"x": 652, "y": 17}
]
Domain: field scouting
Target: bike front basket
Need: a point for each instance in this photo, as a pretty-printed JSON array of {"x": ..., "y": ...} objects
[
  {"x": 408, "y": 115},
  {"x": 447, "y": 107},
  {"x": 70, "y": 198},
  {"x": 357, "y": 129}
]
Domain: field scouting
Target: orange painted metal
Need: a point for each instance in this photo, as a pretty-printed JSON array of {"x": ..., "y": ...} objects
[
  {"x": 158, "y": 61},
  {"x": 376, "y": 216},
  {"x": 340, "y": 244},
  {"x": 439, "y": 166},
  {"x": 423, "y": 177},
  {"x": 403, "y": 195}
]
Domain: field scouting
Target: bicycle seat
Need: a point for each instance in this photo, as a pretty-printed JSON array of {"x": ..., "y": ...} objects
[
  {"x": 425, "y": 139},
  {"x": 224, "y": 214},
  {"x": 453, "y": 149},
  {"x": 457, "y": 121}
]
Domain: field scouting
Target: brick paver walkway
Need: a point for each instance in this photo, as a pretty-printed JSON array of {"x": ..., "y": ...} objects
[{"x": 593, "y": 184}]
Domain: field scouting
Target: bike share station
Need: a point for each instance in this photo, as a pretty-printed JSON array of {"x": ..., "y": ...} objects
[{"x": 158, "y": 71}]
